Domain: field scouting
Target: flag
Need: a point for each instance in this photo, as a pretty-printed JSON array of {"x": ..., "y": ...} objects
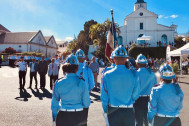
[
  {"x": 114, "y": 32},
  {"x": 109, "y": 45},
  {"x": 111, "y": 39}
]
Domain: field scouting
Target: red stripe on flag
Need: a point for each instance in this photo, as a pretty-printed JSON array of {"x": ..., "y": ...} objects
[{"x": 108, "y": 51}]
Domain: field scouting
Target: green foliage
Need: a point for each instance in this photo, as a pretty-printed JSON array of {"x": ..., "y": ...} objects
[
  {"x": 31, "y": 53},
  {"x": 155, "y": 52},
  {"x": 72, "y": 46},
  {"x": 175, "y": 67},
  {"x": 83, "y": 39},
  {"x": 98, "y": 34},
  {"x": 179, "y": 42}
]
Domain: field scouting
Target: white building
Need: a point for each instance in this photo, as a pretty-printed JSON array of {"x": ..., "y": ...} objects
[
  {"x": 52, "y": 46},
  {"x": 144, "y": 22},
  {"x": 27, "y": 42}
]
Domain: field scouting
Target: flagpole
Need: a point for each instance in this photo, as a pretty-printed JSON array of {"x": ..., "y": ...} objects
[{"x": 112, "y": 25}]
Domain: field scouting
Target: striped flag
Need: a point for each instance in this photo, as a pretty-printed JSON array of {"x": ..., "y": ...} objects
[
  {"x": 109, "y": 45},
  {"x": 111, "y": 39}
]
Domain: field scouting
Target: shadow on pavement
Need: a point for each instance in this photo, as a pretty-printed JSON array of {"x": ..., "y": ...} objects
[
  {"x": 24, "y": 95},
  {"x": 46, "y": 93},
  {"x": 97, "y": 97},
  {"x": 37, "y": 94},
  {"x": 183, "y": 82}
]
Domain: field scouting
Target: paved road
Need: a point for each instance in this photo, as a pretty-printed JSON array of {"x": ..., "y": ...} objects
[{"x": 32, "y": 107}]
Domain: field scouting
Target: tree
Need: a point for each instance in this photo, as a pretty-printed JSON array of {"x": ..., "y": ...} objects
[
  {"x": 83, "y": 39},
  {"x": 98, "y": 34},
  {"x": 179, "y": 42},
  {"x": 9, "y": 50}
]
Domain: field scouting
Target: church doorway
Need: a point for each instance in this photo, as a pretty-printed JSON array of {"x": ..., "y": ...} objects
[{"x": 164, "y": 40}]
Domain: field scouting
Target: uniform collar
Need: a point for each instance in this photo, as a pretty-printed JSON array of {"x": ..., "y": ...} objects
[
  {"x": 71, "y": 75},
  {"x": 113, "y": 64},
  {"x": 142, "y": 68},
  {"x": 120, "y": 66}
]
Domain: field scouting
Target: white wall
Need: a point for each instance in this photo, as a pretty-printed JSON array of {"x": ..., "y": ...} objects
[
  {"x": 23, "y": 47},
  {"x": 37, "y": 48},
  {"x": 51, "y": 52}
]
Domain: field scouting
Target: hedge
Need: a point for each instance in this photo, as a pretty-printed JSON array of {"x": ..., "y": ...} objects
[
  {"x": 154, "y": 52},
  {"x": 24, "y": 53}
]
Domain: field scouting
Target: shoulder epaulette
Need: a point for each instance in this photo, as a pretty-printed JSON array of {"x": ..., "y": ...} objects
[
  {"x": 81, "y": 78},
  {"x": 156, "y": 85}
]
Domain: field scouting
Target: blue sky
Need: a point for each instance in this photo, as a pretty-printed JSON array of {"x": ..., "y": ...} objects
[{"x": 64, "y": 18}]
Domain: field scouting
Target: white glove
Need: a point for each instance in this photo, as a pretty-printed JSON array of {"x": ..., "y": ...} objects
[{"x": 106, "y": 119}]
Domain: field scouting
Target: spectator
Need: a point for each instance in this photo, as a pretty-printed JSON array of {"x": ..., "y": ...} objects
[
  {"x": 22, "y": 71},
  {"x": 156, "y": 63},
  {"x": 57, "y": 61},
  {"x": 53, "y": 72},
  {"x": 95, "y": 69},
  {"x": 185, "y": 66},
  {"x": 43, "y": 67},
  {"x": 33, "y": 72}
]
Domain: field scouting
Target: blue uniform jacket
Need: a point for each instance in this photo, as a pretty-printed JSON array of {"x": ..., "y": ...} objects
[
  {"x": 86, "y": 72},
  {"x": 105, "y": 70},
  {"x": 35, "y": 66},
  {"x": 165, "y": 100},
  {"x": 119, "y": 87},
  {"x": 108, "y": 68},
  {"x": 147, "y": 80},
  {"x": 73, "y": 93}
]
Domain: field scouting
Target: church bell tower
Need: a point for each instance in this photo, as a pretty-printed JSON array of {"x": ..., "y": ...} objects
[{"x": 140, "y": 4}]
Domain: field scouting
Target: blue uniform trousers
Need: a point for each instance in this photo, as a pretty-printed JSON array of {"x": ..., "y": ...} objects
[
  {"x": 167, "y": 121},
  {"x": 70, "y": 118},
  {"x": 121, "y": 116},
  {"x": 141, "y": 111}
]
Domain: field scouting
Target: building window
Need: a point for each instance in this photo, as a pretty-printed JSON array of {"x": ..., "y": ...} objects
[{"x": 141, "y": 26}]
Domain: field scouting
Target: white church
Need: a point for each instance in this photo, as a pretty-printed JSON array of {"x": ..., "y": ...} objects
[{"x": 143, "y": 22}]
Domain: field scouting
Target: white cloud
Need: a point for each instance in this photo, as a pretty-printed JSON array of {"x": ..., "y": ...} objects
[
  {"x": 166, "y": 17},
  {"x": 69, "y": 38},
  {"x": 25, "y": 5},
  {"x": 48, "y": 32},
  {"x": 174, "y": 16},
  {"x": 161, "y": 16},
  {"x": 58, "y": 39}
]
